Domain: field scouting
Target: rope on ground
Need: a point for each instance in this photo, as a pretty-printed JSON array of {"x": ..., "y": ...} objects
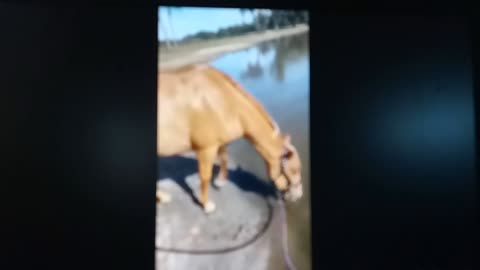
[
  {"x": 227, "y": 249},
  {"x": 284, "y": 232},
  {"x": 284, "y": 227}
]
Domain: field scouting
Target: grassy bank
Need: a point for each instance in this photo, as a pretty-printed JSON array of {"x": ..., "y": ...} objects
[{"x": 202, "y": 51}]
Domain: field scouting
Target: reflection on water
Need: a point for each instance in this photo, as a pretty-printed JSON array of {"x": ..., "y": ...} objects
[
  {"x": 277, "y": 73},
  {"x": 253, "y": 71},
  {"x": 285, "y": 51}
]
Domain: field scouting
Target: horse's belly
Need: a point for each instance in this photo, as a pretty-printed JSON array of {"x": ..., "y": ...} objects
[
  {"x": 169, "y": 144},
  {"x": 182, "y": 126},
  {"x": 211, "y": 132},
  {"x": 173, "y": 136}
]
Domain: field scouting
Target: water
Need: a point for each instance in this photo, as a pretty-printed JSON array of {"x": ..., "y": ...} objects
[{"x": 277, "y": 73}]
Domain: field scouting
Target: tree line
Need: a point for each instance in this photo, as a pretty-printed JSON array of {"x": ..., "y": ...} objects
[{"x": 274, "y": 19}]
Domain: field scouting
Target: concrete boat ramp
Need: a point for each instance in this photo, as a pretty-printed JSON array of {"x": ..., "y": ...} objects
[{"x": 242, "y": 233}]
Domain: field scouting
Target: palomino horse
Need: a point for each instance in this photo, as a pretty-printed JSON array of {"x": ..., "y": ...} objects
[{"x": 201, "y": 109}]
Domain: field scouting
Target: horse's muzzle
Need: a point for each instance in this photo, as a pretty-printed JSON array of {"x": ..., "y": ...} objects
[{"x": 293, "y": 193}]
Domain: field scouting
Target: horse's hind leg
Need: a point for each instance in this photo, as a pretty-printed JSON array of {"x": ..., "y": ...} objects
[
  {"x": 206, "y": 159},
  {"x": 163, "y": 196},
  {"x": 222, "y": 176}
]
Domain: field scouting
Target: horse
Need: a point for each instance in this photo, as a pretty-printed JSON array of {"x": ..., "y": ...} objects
[{"x": 202, "y": 109}]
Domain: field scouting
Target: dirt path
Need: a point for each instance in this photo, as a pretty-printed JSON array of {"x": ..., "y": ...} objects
[{"x": 204, "y": 51}]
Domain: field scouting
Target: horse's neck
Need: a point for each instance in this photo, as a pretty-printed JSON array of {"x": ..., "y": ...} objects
[
  {"x": 266, "y": 140},
  {"x": 269, "y": 150},
  {"x": 258, "y": 126},
  {"x": 269, "y": 147}
]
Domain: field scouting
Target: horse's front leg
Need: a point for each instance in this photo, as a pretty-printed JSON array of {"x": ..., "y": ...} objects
[
  {"x": 206, "y": 159},
  {"x": 222, "y": 176}
]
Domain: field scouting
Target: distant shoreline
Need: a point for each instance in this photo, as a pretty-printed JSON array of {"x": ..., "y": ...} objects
[{"x": 203, "y": 51}]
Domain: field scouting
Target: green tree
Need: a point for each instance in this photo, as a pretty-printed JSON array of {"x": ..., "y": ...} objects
[
  {"x": 163, "y": 32},
  {"x": 170, "y": 10},
  {"x": 243, "y": 11}
]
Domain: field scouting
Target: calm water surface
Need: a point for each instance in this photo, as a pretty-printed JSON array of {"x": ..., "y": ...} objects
[{"x": 277, "y": 73}]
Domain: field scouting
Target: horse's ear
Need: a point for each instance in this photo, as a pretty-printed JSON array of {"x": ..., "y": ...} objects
[{"x": 287, "y": 139}]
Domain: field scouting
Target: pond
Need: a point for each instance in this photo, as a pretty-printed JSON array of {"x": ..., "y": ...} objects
[{"x": 277, "y": 73}]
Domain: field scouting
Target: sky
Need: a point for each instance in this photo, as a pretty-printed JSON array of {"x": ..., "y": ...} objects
[{"x": 190, "y": 20}]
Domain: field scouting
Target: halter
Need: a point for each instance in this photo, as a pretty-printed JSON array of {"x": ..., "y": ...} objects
[
  {"x": 282, "y": 162},
  {"x": 282, "y": 172}
]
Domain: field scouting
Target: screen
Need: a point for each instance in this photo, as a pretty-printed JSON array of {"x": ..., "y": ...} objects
[
  {"x": 89, "y": 93},
  {"x": 233, "y": 139}
]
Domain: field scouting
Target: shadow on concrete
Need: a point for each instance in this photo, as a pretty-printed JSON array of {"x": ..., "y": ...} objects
[{"x": 178, "y": 168}]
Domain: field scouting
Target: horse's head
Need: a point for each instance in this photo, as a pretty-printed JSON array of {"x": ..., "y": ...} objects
[{"x": 289, "y": 181}]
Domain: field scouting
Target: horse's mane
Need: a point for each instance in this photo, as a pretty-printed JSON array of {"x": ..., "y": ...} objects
[{"x": 251, "y": 99}]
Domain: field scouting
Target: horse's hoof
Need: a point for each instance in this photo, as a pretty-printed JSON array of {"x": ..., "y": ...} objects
[
  {"x": 209, "y": 207},
  {"x": 219, "y": 182},
  {"x": 163, "y": 197}
]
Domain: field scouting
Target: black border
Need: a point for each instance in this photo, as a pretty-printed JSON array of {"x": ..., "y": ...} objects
[{"x": 42, "y": 165}]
